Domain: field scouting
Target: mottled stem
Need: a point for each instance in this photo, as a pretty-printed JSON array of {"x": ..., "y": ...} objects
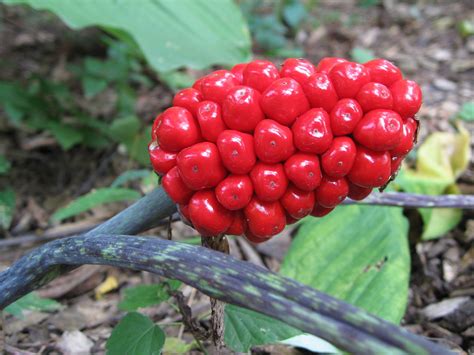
[{"x": 225, "y": 278}]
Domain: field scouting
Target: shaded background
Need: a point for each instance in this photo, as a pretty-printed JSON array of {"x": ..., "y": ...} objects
[{"x": 75, "y": 112}]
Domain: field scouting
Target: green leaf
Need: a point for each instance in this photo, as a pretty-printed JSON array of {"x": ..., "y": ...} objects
[
  {"x": 135, "y": 334},
  {"x": 93, "y": 86},
  {"x": 440, "y": 161},
  {"x": 147, "y": 295},
  {"x": 130, "y": 175},
  {"x": 32, "y": 302},
  {"x": 66, "y": 135},
  {"x": 362, "y": 55},
  {"x": 124, "y": 129},
  {"x": 7, "y": 207},
  {"x": 4, "y": 165},
  {"x": 466, "y": 28},
  {"x": 93, "y": 199},
  {"x": 245, "y": 328},
  {"x": 467, "y": 111},
  {"x": 294, "y": 13},
  {"x": 176, "y": 346},
  {"x": 171, "y": 34},
  {"x": 358, "y": 254},
  {"x": 176, "y": 80}
]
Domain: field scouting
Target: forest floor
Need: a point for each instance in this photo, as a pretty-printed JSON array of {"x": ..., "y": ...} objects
[{"x": 423, "y": 40}]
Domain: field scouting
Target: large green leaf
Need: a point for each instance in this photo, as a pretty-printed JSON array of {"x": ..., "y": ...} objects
[
  {"x": 440, "y": 160},
  {"x": 136, "y": 334},
  {"x": 93, "y": 199},
  {"x": 245, "y": 328},
  {"x": 32, "y": 302},
  {"x": 358, "y": 254},
  {"x": 147, "y": 295},
  {"x": 171, "y": 34}
]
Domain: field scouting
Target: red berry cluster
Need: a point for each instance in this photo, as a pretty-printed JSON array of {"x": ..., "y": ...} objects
[{"x": 252, "y": 149}]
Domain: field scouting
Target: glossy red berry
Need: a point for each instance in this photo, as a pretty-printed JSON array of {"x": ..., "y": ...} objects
[
  {"x": 209, "y": 117},
  {"x": 241, "y": 109},
  {"x": 259, "y": 74},
  {"x": 326, "y": 64},
  {"x": 348, "y": 78},
  {"x": 237, "y": 151},
  {"x": 370, "y": 169},
  {"x": 200, "y": 166},
  {"x": 374, "y": 96},
  {"x": 320, "y": 211},
  {"x": 197, "y": 84},
  {"x": 238, "y": 71},
  {"x": 358, "y": 193},
  {"x": 254, "y": 239},
  {"x": 161, "y": 161},
  {"x": 320, "y": 92},
  {"x": 284, "y": 100},
  {"x": 188, "y": 98},
  {"x": 183, "y": 211},
  {"x": 156, "y": 122},
  {"x": 406, "y": 97},
  {"x": 312, "y": 131},
  {"x": 395, "y": 164},
  {"x": 269, "y": 181},
  {"x": 379, "y": 130},
  {"x": 215, "y": 86},
  {"x": 345, "y": 116},
  {"x": 382, "y": 71},
  {"x": 331, "y": 192},
  {"x": 337, "y": 161},
  {"x": 298, "y": 69},
  {"x": 297, "y": 203},
  {"x": 238, "y": 225},
  {"x": 234, "y": 192},
  {"x": 304, "y": 171},
  {"x": 175, "y": 187},
  {"x": 264, "y": 219},
  {"x": 408, "y": 138},
  {"x": 177, "y": 129},
  {"x": 273, "y": 141},
  {"x": 208, "y": 216}
]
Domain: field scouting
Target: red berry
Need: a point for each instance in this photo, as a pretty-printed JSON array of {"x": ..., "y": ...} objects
[
  {"x": 237, "y": 151},
  {"x": 345, "y": 116},
  {"x": 284, "y": 100},
  {"x": 348, "y": 78},
  {"x": 408, "y": 138},
  {"x": 161, "y": 161},
  {"x": 326, "y": 64},
  {"x": 407, "y": 97},
  {"x": 208, "y": 216},
  {"x": 259, "y": 74},
  {"x": 304, "y": 171},
  {"x": 210, "y": 121},
  {"x": 234, "y": 192},
  {"x": 373, "y": 96},
  {"x": 239, "y": 224},
  {"x": 197, "y": 84},
  {"x": 337, "y": 161},
  {"x": 312, "y": 131},
  {"x": 370, "y": 169},
  {"x": 264, "y": 219},
  {"x": 358, "y": 193},
  {"x": 177, "y": 129},
  {"x": 175, "y": 187},
  {"x": 298, "y": 69},
  {"x": 200, "y": 166},
  {"x": 241, "y": 109},
  {"x": 216, "y": 85},
  {"x": 382, "y": 71},
  {"x": 183, "y": 211},
  {"x": 320, "y": 91},
  {"x": 395, "y": 164},
  {"x": 269, "y": 181},
  {"x": 331, "y": 192},
  {"x": 238, "y": 71},
  {"x": 320, "y": 211},
  {"x": 254, "y": 239},
  {"x": 156, "y": 122},
  {"x": 273, "y": 141},
  {"x": 379, "y": 130},
  {"x": 188, "y": 98},
  {"x": 297, "y": 203}
]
